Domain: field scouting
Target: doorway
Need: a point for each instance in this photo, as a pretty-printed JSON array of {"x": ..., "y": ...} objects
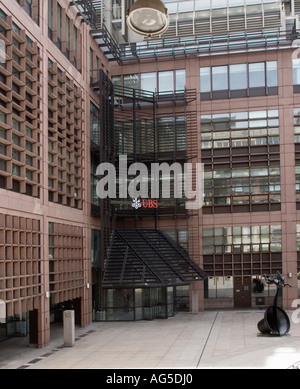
[
  {"x": 242, "y": 292},
  {"x": 33, "y": 328}
]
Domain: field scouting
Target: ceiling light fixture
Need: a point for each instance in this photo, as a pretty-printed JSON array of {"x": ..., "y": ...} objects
[{"x": 148, "y": 18}]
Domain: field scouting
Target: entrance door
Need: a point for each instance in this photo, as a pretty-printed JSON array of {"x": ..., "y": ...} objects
[
  {"x": 33, "y": 327},
  {"x": 242, "y": 292}
]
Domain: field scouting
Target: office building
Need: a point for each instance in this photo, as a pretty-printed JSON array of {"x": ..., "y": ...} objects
[{"x": 220, "y": 88}]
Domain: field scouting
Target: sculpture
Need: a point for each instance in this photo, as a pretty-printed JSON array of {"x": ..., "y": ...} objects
[{"x": 276, "y": 320}]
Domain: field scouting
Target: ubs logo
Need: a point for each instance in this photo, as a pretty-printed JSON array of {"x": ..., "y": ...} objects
[{"x": 150, "y": 204}]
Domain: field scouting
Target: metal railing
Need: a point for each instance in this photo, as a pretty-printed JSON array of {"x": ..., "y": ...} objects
[{"x": 209, "y": 44}]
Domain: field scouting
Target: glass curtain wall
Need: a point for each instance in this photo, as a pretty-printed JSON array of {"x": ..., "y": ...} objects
[
  {"x": 239, "y": 80},
  {"x": 230, "y": 252},
  {"x": 162, "y": 82},
  {"x": 241, "y": 185},
  {"x": 137, "y": 304}
]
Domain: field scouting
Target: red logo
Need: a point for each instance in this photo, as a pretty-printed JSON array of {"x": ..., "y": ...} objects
[
  {"x": 150, "y": 204},
  {"x": 137, "y": 203}
]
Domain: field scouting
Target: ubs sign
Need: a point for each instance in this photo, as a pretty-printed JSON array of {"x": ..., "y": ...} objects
[{"x": 137, "y": 203}]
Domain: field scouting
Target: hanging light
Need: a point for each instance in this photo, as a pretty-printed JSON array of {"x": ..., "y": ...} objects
[{"x": 148, "y": 17}]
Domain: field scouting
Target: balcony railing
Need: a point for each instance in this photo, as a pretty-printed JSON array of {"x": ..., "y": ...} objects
[{"x": 209, "y": 44}]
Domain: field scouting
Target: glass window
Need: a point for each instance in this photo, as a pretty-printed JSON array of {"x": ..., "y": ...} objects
[
  {"x": 166, "y": 81},
  {"x": 94, "y": 123},
  {"x": 219, "y": 78},
  {"x": 2, "y": 117},
  {"x": 240, "y": 172},
  {"x": 272, "y": 73},
  {"x": 296, "y": 71},
  {"x": 116, "y": 9},
  {"x": 96, "y": 250},
  {"x": 205, "y": 80},
  {"x": 131, "y": 81},
  {"x": 202, "y": 4},
  {"x": 68, "y": 23},
  {"x": 91, "y": 62},
  {"x": 117, "y": 80},
  {"x": 50, "y": 14},
  {"x": 257, "y": 75},
  {"x": 186, "y": 6},
  {"x": 219, "y": 3},
  {"x": 234, "y": 3},
  {"x": 257, "y": 114},
  {"x": 180, "y": 80},
  {"x": 238, "y": 76},
  {"x": 59, "y": 22},
  {"x": 148, "y": 82},
  {"x": 75, "y": 43},
  {"x": 259, "y": 171}
]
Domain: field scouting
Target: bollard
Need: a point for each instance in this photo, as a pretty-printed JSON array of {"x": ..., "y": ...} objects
[
  {"x": 2, "y": 312},
  {"x": 69, "y": 328}
]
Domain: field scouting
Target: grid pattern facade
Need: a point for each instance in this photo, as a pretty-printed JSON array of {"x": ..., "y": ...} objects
[
  {"x": 242, "y": 251},
  {"x": 241, "y": 155},
  {"x": 64, "y": 34},
  {"x": 20, "y": 264},
  {"x": 65, "y": 138},
  {"x": 32, "y": 7},
  {"x": 66, "y": 262},
  {"x": 19, "y": 111}
]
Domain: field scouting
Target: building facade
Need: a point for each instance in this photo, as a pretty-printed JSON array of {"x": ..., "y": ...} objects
[
  {"x": 46, "y": 222},
  {"x": 221, "y": 87}
]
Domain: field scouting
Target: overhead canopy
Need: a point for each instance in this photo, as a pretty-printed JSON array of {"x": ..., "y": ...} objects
[{"x": 144, "y": 258}]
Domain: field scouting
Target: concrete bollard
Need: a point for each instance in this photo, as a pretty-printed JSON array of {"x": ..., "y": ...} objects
[
  {"x": 69, "y": 328},
  {"x": 2, "y": 312}
]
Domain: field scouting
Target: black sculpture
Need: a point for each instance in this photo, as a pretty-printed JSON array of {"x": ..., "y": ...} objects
[{"x": 276, "y": 320}]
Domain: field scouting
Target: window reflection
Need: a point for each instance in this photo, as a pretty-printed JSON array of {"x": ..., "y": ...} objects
[
  {"x": 164, "y": 81},
  {"x": 219, "y": 78},
  {"x": 238, "y": 76},
  {"x": 255, "y": 76},
  {"x": 148, "y": 81},
  {"x": 131, "y": 81},
  {"x": 296, "y": 71},
  {"x": 272, "y": 79},
  {"x": 236, "y": 183},
  {"x": 242, "y": 239},
  {"x": 205, "y": 80}
]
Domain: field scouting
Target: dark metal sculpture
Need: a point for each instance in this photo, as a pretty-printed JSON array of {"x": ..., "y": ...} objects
[{"x": 276, "y": 320}]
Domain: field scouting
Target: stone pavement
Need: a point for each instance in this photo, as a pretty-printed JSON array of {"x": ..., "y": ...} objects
[{"x": 207, "y": 340}]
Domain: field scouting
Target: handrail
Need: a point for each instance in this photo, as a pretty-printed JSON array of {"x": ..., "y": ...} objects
[{"x": 207, "y": 44}]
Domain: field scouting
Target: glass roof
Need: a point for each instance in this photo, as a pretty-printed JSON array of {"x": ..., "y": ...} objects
[
  {"x": 178, "y": 6},
  {"x": 140, "y": 258}
]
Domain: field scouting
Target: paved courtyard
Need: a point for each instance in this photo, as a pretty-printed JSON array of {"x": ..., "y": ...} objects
[{"x": 207, "y": 340}]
